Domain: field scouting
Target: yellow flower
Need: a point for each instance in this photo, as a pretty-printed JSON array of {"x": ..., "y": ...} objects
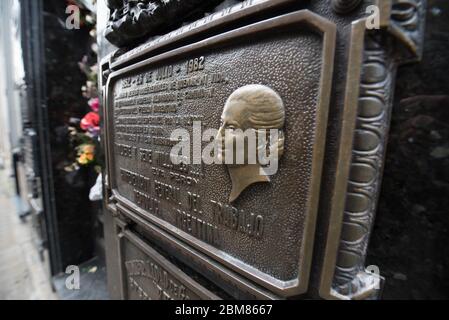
[
  {"x": 82, "y": 159},
  {"x": 86, "y": 154},
  {"x": 88, "y": 148}
]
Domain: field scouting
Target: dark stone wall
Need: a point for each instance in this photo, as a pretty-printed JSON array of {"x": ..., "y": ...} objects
[
  {"x": 63, "y": 50},
  {"x": 410, "y": 237}
]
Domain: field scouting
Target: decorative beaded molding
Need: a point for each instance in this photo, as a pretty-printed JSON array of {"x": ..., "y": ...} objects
[{"x": 406, "y": 24}]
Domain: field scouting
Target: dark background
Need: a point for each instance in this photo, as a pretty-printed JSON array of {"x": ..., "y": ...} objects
[
  {"x": 75, "y": 213},
  {"x": 410, "y": 238}
]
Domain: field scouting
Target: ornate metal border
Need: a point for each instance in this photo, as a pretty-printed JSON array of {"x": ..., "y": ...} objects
[
  {"x": 371, "y": 70},
  {"x": 124, "y": 234}
]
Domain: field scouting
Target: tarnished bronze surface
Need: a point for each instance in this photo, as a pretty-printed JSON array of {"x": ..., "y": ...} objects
[
  {"x": 143, "y": 179},
  {"x": 248, "y": 109},
  {"x": 149, "y": 276},
  {"x": 303, "y": 230},
  {"x": 368, "y": 101}
]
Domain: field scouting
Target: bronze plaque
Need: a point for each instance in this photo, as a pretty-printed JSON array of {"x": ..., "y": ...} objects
[
  {"x": 149, "y": 276},
  {"x": 259, "y": 231},
  {"x": 263, "y": 231}
]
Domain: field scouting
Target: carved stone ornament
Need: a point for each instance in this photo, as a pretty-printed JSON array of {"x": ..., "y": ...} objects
[
  {"x": 133, "y": 20},
  {"x": 314, "y": 72}
]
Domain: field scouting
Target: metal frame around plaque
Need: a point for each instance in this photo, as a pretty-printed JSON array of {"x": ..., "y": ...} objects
[
  {"x": 299, "y": 19},
  {"x": 372, "y": 59},
  {"x": 370, "y": 80},
  {"x": 163, "y": 264}
]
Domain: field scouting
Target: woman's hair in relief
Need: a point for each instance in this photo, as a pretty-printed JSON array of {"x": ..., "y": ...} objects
[{"x": 264, "y": 108}]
